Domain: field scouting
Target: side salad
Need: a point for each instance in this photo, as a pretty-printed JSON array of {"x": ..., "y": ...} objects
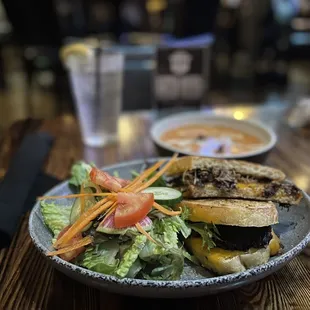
[{"x": 125, "y": 228}]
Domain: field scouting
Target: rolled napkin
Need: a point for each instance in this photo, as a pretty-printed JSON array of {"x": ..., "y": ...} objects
[{"x": 19, "y": 180}]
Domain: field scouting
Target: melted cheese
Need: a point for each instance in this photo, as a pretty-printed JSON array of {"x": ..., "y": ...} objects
[
  {"x": 216, "y": 259},
  {"x": 274, "y": 244},
  {"x": 219, "y": 259},
  {"x": 253, "y": 186},
  {"x": 214, "y": 253}
]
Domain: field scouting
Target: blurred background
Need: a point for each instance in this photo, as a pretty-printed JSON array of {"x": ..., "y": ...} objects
[{"x": 259, "y": 52}]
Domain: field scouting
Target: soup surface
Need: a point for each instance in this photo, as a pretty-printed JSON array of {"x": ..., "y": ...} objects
[{"x": 211, "y": 140}]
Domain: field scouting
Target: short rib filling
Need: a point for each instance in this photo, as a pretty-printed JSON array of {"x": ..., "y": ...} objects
[
  {"x": 242, "y": 238},
  {"x": 225, "y": 179}
]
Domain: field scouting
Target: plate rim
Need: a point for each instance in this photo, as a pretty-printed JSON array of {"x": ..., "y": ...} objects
[
  {"x": 201, "y": 114},
  {"x": 175, "y": 284}
]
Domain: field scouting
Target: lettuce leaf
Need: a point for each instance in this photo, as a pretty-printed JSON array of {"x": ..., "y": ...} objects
[
  {"x": 151, "y": 252},
  {"x": 102, "y": 257},
  {"x": 185, "y": 213},
  {"x": 181, "y": 226},
  {"x": 130, "y": 256},
  {"x": 171, "y": 268},
  {"x": 56, "y": 217},
  {"x": 208, "y": 233},
  {"x": 135, "y": 268},
  {"x": 164, "y": 261},
  {"x": 168, "y": 232},
  {"x": 80, "y": 173},
  {"x": 160, "y": 182},
  {"x": 116, "y": 174},
  {"x": 170, "y": 227},
  {"x": 129, "y": 231},
  {"x": 154, "y": 213},
  {"x": 190, "y": 257}
]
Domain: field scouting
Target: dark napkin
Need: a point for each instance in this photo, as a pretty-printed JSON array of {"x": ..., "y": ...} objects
[{"x": 23, "y": 182}]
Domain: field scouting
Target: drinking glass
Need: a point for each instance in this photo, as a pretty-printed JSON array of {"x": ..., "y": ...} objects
[{"x": 97, "y": 81}]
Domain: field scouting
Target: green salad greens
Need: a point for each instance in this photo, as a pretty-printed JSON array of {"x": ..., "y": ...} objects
[
  {"x": 56, "y": 217},
  {"x": 207, "y": 232},
  {"x": 124, "y": 252},
  {"x": 80, "y": 173}
]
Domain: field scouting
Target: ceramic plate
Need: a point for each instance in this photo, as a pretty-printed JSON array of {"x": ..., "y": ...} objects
[
  {"x": 293, "y": 230},
  {"x": 255, "y": 128}
]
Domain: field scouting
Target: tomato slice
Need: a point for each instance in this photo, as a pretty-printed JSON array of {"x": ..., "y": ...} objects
[
  {"x": 132, "y": 208},
  {"x": 122, "y": 182},
  {"x": 106, "y": 180},
  {"x": 69, "y": 256}
]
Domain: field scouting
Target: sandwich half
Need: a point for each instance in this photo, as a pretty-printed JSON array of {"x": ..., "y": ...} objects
[
  {"x": 230, "y": 235},
  {"x": 202, "y": 177}
]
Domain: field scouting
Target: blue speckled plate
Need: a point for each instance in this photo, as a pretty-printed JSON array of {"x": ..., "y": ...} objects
[{"x": 294, "y": 231}]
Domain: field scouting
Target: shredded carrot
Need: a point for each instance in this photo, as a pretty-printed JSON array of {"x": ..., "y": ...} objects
[
  {"x": 85, "y": 241},
  {"x": 110, "y": 204},
  {"x": 157, "y": 175},
  {"x": 166, "y": 211},
  {"x": 82, "y": 199},
  {"x": 112, "y": 209},
  {"x": 77, "y": 195},
  {"x": 139, "y": 179},
  {"x": 83, "y": 216},
  {"x": 83, "y": 221},
  {"x": 142, "y": 231}
]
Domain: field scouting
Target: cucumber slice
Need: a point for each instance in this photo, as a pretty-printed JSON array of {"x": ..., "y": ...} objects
[{"x": 164, "y": 195}]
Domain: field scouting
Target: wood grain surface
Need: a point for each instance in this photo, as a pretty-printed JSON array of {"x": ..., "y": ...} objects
[{"x": 28, "y": 282}]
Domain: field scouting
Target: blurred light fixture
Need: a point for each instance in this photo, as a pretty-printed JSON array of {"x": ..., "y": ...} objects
[
  {"x": 126, "y": 129},
  {"x": 155, "y": 6},
  {"x": 239, "y": 115}
]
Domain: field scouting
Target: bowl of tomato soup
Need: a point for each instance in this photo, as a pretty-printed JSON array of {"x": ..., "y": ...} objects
[{"x": 215, "y": 136}]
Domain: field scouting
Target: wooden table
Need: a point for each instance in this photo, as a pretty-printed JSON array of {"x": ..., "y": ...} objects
[{"x": 28, "y": 282}]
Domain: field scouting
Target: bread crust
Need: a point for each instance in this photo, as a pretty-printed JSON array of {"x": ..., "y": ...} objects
[
  {"x": 243, "y": 167},
  {"x": 248, "y": 191},
  {"x": 233, "y": 212}
]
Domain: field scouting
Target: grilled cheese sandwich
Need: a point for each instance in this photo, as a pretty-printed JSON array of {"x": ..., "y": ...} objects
[
  {"x": 198, "y": 177},
  {"x": 244, "y": 237}
]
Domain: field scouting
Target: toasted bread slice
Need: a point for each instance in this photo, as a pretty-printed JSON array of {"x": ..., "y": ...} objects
[
  {"x": 224, "y": 262},
  {"x": 233, "y": 212},
  {"x": 242, "y": 167},
  {"x": 255, "y": 191}
]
